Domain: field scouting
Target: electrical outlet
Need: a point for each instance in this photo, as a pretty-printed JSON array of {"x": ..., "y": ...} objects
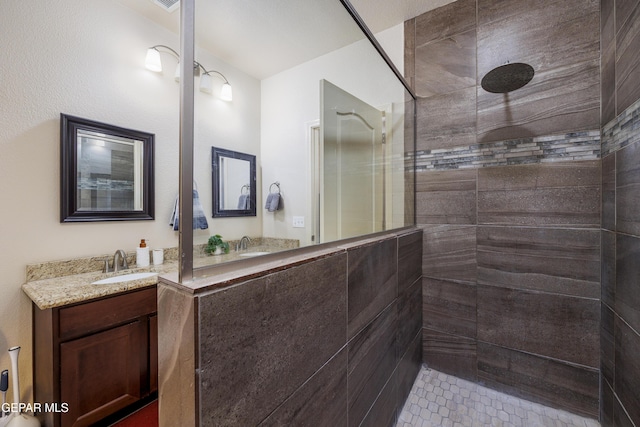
[{"x": 298, "y": 222}]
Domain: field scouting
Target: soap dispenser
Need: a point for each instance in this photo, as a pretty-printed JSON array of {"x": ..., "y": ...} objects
[{"x": 142, "y": 254}]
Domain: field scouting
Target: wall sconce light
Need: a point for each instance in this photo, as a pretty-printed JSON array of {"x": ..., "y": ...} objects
[{"x": 153, "y": 63}]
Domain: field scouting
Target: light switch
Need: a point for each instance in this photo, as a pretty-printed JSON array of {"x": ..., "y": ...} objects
[{"x": 298, "y": 222}]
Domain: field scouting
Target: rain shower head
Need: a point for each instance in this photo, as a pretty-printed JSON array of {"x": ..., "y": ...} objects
[{"x": 507, "y": 78}]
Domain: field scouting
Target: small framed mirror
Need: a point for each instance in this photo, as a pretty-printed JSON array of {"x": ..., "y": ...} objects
[
  {"x": 106, "y": 172},
  {"x": 234, "y": 183}
]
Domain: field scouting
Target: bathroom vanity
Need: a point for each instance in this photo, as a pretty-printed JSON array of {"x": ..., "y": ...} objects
[{"x": 98, "y": 356}]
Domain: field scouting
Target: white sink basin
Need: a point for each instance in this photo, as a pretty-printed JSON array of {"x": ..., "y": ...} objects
[
  {"x": 252, "y": 254},
  {"x": 124, "y": 278}
]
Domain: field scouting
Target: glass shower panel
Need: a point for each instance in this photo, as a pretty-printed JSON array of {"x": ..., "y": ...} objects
[
  {"x": 350, "y": 176},
  {"x": 353, "y": 169}
]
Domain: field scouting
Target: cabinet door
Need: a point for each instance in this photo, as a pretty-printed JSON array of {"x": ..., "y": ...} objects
[
  {"x": 100, "y": 373},
  {"x": 153, "y": 353}
]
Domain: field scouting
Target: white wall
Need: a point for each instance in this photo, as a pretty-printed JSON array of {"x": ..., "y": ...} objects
[
  {"x": 290, "y": 102},
  {"x": 86, "y": 58}
]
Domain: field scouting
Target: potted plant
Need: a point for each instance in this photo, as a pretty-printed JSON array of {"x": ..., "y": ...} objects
[{"x": 216, "y": 245}]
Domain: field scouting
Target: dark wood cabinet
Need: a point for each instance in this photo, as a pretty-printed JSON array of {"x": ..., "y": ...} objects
[{"x": 96, "y": 358}]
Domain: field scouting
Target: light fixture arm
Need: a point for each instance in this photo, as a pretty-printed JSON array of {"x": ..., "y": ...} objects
[
  {"x": 217, "y": 72},
  {"x": 168, "y": 48},
  {"x": 153, "y": 63}
]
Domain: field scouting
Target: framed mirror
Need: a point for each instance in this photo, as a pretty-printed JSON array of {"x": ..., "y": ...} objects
[
  {"x": 234, "y": 183},
  {"x": 106, "y": 172}
]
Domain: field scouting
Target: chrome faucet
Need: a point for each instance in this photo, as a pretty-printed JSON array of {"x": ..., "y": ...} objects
[
  {"x": 243, "y": 243},
  {"x": 118, "y": 258}
]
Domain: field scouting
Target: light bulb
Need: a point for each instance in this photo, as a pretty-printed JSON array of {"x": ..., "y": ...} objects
[
  {"x": 152, "y": 61},
  {"x": 226, "y": 94},
  {"x": 176, "y": 76},
  {"x": 206, "y": 84}
]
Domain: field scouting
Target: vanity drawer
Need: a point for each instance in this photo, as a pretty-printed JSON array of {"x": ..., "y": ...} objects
[{"x": 94, "y": 316}]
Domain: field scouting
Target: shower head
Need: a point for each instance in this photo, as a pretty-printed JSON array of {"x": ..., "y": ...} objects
[{"x": 507, "y": 78}]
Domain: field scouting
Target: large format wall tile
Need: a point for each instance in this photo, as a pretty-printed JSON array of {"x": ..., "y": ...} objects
[
  {"x": 620, "y": 417},
  {"x": 446, "y": 121},
  {"x": 607, "y": 347},
  {"x": 266, "y": 337},
  {"x": 551, "y": 325},
  {"x": 608, "y": 268},
  {"x": 627, "y": 290},
  {"x": 446, "y": 65},
  {"x": 544, "y": 33},
  {"x": 627, "y": 58},
  {"x": 608, "y": 69},
  {"x": 449, "y": 307},
  {"x": 449, "y": 252},
  {"x": 372, "y": 282},
  {"x": 541, "y": 380},
  {"x": 384, "y": 411},
  {"x": 443, "y": 22},
  {"x": 452, "y": 354},
  {"x": 544, "y": 195},
  {"x": 628, "y": 189},
  {"x": 560, "y": 40},
  {"x": 409, "y": 259},
  {"x": 408, "y": 367},
  {"x": 409, "y": 307},
  {"x": 372, "y": 360},
  {"x": 563, "y": 261},
  {"x": 446, "y": 197},
  {"x": 624, "y": 11},
  {"x": 606, "y": 404},
  {"x": 323, "y": 399},
  {"x": 627, "y": 366},
  {"x": 609, "y": 192},
  {"x": 560, "y": 100},
  {"x": 410, "y": 52}
]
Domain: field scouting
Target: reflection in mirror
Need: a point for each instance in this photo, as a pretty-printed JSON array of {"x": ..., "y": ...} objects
[
  {"x": 234, "y": 183},
  {"x": 328, "y": 119},
  {"x": 107, "y": 172}
]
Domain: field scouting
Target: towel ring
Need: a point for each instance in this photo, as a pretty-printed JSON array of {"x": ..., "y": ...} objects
[
  {"x": 277, "y": 184},
  {"x": 247, "y": 187}
]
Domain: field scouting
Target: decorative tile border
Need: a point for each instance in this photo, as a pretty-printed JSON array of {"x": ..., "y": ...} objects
[
  {"x": 622, "y": 131},
  {"x": 542, "y": 149}
]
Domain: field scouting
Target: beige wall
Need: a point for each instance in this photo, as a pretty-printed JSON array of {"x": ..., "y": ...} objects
[{"x": 87, "y": 59}]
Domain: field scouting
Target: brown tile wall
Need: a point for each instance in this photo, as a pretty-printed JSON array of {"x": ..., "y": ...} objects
[
  {"x": 511, "y": 260},
  {"x": 335, "y": 340},
  {"x": 620, "y": 298}
]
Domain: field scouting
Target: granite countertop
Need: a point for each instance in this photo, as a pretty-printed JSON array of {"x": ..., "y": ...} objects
[
  {"x": 60, "y": 283},
  {"x": 64, "y": 290}
]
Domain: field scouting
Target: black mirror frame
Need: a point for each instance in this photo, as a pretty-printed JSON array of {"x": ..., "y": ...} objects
[
  {"x": 216, "y": 153},
  {"x": 69, "y": 125}
]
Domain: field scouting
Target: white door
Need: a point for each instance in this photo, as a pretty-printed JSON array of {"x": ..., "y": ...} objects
[{"x": 352, "y": 158}]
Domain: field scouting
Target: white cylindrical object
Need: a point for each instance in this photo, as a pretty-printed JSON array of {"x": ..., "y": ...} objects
[
  {"x": 18, "y": 419},
  {"x": 14, "y": 352},
  {"x": 226, "y": 94},
  {"x": 142, "y": 257},
  {"x": 158, "y": 256},
  {"x": 152, "y": 60},
  {"x": 24, "y": 420}
]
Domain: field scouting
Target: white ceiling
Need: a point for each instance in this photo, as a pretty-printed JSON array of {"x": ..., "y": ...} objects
[{"x": 264, "y": 37}]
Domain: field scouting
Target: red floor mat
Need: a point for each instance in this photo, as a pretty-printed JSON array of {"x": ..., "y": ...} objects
[{"x": 144, "y": 417}]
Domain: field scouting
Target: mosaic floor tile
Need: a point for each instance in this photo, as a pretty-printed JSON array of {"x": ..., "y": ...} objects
[{"x": 441, "y": 400}]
